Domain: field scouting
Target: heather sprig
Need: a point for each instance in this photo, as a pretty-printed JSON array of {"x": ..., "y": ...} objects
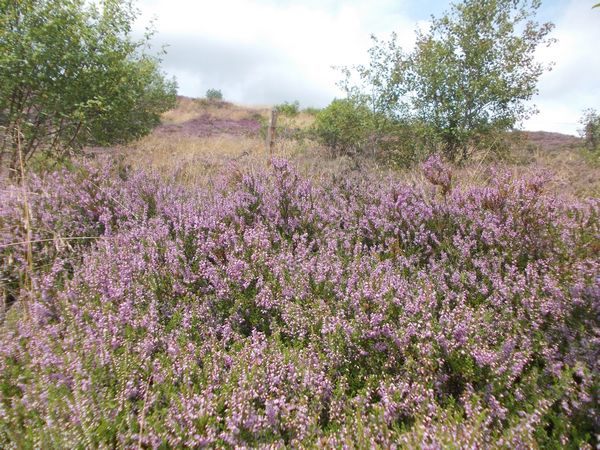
[{"x": 278, "y": 311}]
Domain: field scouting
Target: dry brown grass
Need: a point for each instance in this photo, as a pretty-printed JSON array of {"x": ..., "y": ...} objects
[
  {"x": 189, "y": 108},
  {"x": 573, "y": 171},
  {"x": 302, "y": 120},
  {"x": 196, "y": 159}
]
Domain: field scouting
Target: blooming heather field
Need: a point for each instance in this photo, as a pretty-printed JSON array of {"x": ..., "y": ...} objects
[{"x": 269, "y": 310}]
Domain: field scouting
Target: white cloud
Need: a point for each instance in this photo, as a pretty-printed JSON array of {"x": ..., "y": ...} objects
[
  {"x": 266, "y": 51},
  {"x": 574, "y": 83},
  {"x": 269, "y": 51}
]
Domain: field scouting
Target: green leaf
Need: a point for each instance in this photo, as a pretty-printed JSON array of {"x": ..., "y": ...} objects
[
  {"x": 470, "y": 75},
  {"x": 71, "y": 75}
]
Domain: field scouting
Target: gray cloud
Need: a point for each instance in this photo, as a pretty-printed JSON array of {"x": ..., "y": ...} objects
[
  {"x": 270, "y": 51},
  {"x": 246, "y": 73},
  {"x": 215, "y": 61},
  {"x": 277, "y": 86}
]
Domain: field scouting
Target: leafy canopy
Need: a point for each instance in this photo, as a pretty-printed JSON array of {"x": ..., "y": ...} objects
[
  {"x": 472, "y": 72},
  {"x": 590, "y": 131},
  {"x": 344, "y": 126},
  {"x": 71, "y": 75},
  {"x": 214, "y": 94}
]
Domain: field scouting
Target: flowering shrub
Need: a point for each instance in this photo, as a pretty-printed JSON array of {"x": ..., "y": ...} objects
[
  {"x": 438, "y": 173},
  {"x": 272, "y": 311}
]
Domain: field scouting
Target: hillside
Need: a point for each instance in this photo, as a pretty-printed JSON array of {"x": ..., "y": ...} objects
[
  {"x": 548, "y": 141},
  {"x": 401, "y": 269},
  {"x": 190, "y": 291},
  {"x": 230, "y": 301},
  {"x": 199, "y": 138}
]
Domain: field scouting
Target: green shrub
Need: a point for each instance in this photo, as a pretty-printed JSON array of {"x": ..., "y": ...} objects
[
  {"x": 214, "y": 95},
  {"x": 311, "y": 111},
  {"x": 288, "y": 109},
  {"x": 405, "y": 143},
  {"x": 591, "y": 129},
  {"x": 473, "y": 72},
  {"x": 344, "y": 126},
  {"x": 72, "y": 74}
]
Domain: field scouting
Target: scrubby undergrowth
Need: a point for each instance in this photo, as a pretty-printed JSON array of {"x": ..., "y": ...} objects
[{"x": 275, "y": 311}]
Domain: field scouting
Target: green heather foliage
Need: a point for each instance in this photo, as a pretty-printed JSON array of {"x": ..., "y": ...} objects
[
  {"x": 470, "y": 74},
  {"x": 214, "y": 95},
  {"x": 311, "y": 110},
  {"x": 70, "y": 75},
  {"x": 276, "y": 312},
  {"x": 288, "y": 109}
]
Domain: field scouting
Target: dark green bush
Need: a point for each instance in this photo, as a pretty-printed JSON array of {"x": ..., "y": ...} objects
[
  {"x": 71, "y": 75},
  {"x": 405, "y": 143}
]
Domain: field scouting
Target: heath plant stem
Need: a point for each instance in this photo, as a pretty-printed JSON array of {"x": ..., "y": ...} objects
[
  {"x": 143, "y": 418},
  {"x": 26, "y": 215},
  {"x": 56, "y": 239}
]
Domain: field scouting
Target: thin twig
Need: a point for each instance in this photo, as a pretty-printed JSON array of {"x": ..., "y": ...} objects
[
  {"x": 143, "y": 418},
  {"x": 26, "y": 213},
  {"x": 36, "y": 241}
]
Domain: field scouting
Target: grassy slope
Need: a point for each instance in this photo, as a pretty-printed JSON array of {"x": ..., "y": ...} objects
[
  {"x": 198, "y": 155},
  {"x": 185, "y": 318}
]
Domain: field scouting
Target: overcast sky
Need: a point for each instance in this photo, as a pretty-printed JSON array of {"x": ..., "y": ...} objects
[{"x": 261, "y": 52}]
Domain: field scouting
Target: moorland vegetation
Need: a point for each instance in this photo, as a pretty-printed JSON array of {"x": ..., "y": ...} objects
[{"x": 406, "y": 271}]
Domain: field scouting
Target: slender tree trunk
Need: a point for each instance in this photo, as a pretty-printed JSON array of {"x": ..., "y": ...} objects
[{"x": 13, "y": 166}]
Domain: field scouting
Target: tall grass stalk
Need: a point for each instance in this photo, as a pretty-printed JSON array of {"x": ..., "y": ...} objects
[{"x": 27, "y": 282}]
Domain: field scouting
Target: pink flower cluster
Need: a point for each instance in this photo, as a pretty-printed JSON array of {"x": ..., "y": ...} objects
[
  {"x": 274, "y": 311},
  {"x": 438, "y": 173}
]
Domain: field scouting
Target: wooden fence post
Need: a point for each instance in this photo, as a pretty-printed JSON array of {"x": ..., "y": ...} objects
[
  {"x": 2, "y": 305},
  {"x": 271, "y": 131}
]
